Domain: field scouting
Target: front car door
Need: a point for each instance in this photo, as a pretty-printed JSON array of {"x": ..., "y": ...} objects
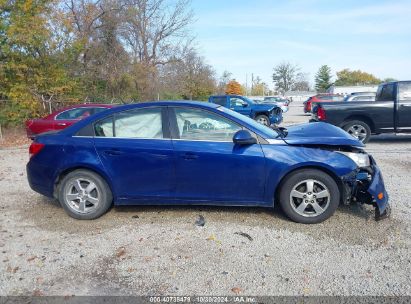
[
  {"x": 209, "y": 167},
  {"x": 404, "y": 107},
  {"x": 240, "y": 106},
  {"x": 136, "y": 151}
]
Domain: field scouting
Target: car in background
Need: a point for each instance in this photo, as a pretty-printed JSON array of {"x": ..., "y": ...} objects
[
  {"x": 266, "y": 114},
  {"x": 280, "y": 101},
  {"x": 389, "y": 113},
  {"x": 283, "y": 103},
  {"x": 325, "y": 97},
  {"x": 197, "y": 153},
  {"x": 63, "y": 118},
  {"x": 360, "y": 96}
]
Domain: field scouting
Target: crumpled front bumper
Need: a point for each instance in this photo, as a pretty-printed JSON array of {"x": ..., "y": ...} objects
[{"x": 367, "y": 187}]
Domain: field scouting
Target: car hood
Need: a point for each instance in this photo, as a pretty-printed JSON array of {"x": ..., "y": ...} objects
[{"x": 320, "y": 133}]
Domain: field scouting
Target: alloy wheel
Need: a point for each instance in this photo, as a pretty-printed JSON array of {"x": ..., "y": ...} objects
[
  {"x": 82, "y": 195},
  {"x": 310, "y": 198},
  {"x": 358, "y": 132},
  {"x": 263, "y": 121}
]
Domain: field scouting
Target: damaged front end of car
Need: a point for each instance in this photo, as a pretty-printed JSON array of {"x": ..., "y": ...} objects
[{"x": 365, "y": 185}]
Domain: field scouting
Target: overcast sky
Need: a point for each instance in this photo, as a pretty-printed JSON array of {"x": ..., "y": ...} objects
[{"x": 252, "y": 36}]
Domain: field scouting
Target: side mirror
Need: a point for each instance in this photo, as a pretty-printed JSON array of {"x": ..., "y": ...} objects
[
  {"x": 244, "y": 104},
  {"x": 243, "y": 137}
]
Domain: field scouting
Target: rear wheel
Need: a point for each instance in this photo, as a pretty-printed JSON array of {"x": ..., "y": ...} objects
[
  {"x": 359, "y": 130},
  {"x": 263, "y": 119},
  {"x": 84, "y": 195},
  {"x": 309, "y": 196}
]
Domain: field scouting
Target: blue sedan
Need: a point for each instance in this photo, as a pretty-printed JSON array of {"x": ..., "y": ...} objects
[{"x": 195, "y": 153}]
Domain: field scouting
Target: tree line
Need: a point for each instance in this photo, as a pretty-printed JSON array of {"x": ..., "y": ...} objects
[
  {"x": 118, "y": 51},
  {"x": 54, "y": 52},
  {"x": 288, "y": 77}
]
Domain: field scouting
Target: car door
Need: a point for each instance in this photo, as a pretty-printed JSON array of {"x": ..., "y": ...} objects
[
  {"x": 209, "y": 167},
  {"x": 136, "y": 151},
  {"x": 404, "y": 106},
  {"x": 240, "y": 106}
]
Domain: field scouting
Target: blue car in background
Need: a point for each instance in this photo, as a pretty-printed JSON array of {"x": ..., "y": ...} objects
[
  {"x": 176, "y": 153},
  {"x": 266, "y": 114}
]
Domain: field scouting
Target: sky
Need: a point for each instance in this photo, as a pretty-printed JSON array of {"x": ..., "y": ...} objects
[{"x": 248, "y": 37}]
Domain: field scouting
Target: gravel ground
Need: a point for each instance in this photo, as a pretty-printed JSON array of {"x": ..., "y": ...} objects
[{"x": 160, "y": 250}]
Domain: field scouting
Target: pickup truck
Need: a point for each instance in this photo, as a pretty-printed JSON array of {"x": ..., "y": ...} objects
[
  {"x": 264, "y": 113},
  {"x": 389, "y": 113}
]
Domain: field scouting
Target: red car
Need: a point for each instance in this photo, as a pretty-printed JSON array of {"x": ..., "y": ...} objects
[
  {"x": 321, "y": 98},
  {"x": 63, "y": 118}
]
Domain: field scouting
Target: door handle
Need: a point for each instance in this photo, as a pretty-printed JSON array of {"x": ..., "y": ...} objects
[
  {"x": 189, "y": 156},
  {"x": 113, "y": 152},
  {"x": 406, "y": 105},
  {"x": 61, "y": 124}
]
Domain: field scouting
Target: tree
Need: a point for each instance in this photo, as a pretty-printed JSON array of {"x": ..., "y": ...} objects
[
  {"x": 347, "y": 77},
  {"x": 301, "y": 83},
  {"x": 223, "y": 81},
  {"x": 190, "y": 78},
  {"x": 234, "y": 88},
  {"x": 258, "y": 87},
  {"x": 31, "y": 68},
  {"x": 323, "y": 78},
  {"x": 284, "y": 76}
]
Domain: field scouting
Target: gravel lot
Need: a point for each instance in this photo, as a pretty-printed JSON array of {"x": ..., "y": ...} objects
[{"x": 159, "y": 250}]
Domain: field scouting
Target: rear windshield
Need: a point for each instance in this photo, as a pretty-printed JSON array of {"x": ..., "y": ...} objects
[{"x": 386, "y": 92}]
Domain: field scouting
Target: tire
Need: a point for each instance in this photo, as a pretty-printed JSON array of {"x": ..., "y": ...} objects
[
  {"x": 310, "y": 209},
  {"x": 262, "y": 119},
  {"x": 359, "y": 130},
  {"x": 91, "y": 196}
]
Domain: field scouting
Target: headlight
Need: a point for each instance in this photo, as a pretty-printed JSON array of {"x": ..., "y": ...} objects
[{"x": 361, "y": 159}]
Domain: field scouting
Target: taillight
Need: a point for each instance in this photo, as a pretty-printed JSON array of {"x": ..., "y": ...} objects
[
  {"x": 35, "y": 148},
  {"x": 321, "y": 113}
]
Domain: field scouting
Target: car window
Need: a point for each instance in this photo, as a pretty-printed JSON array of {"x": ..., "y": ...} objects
[
  {"x": 98, "y": 110},
  {"x": 325, "y": 97},
  {"x": 405, "y": 91},
  {"x": 197, "y": 124},
  {"x": 104, "y": 128},
  {"x": 386, "y": 92},
  {"x": 221, "y": 100},
  {"x": 74, "y": 114},
  {"x": 236, "y": 102},
  {"x": 139, "y": 123}
]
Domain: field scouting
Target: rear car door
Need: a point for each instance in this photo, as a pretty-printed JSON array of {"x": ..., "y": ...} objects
[
  {"x": 136, "y": 151},
  {"x": 209, "y": 167},
  {"x": 404, "y": 106},
  {"x": 382, "y": 112}
]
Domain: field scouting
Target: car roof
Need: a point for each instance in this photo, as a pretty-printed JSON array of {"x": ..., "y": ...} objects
[{"x": 87, "y": 105}]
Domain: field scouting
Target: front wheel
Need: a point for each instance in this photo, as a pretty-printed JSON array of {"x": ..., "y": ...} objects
[
  {"x": 309, "y": 196},
  {"x": 84, "y": 195},
  {"x": 358, "y": 129},
  {"x": 263, "y": 119}
]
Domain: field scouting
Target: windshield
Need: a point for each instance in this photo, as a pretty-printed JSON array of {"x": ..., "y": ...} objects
[{"x": 270, "y": 133}]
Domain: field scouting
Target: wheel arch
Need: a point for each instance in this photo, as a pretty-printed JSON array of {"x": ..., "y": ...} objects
[
  {"x": 68, "y": 170},
  {"x": 324, "y": 169},
  {"x": 362, "y": 118}
]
